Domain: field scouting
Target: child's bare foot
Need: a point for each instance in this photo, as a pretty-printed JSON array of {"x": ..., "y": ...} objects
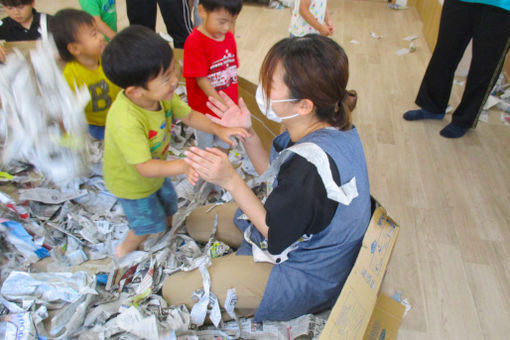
[
  {"x": 119, "y": 252},
  {"x": 130, "y": 243}
]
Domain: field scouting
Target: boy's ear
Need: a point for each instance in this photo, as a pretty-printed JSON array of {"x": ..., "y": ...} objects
[
  {"x": 133, "y": 91},
  {"x": 202, "y": 13},
  {"x": 305, "y": 106},
  {"x": 73, "y": 48}
]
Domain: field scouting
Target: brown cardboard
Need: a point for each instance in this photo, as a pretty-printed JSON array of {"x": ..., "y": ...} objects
[
  {"x": 385, "y": 320},
  {"x": 350, "y": 317}
]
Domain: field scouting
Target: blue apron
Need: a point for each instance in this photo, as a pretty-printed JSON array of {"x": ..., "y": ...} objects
[{"x": 314, "y": 273}]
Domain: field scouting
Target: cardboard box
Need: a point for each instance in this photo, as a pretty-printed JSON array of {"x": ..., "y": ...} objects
[{"x": 359, "y": 313}]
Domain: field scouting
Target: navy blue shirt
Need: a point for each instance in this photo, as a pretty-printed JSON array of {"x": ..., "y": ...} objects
[{"x": 11, "y": 30}]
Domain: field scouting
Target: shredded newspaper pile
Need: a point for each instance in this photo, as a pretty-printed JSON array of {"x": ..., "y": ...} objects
[
  {"x": 498, "y": 100},
  {"x": 59, "y": 227}
]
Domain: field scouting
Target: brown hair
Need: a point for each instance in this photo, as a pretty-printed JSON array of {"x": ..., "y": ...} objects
[{"x": 316, "y": 68}]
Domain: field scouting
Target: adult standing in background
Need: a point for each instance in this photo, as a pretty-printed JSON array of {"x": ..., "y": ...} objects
[
  {"x": 177, "y": 15},
  {"x": 487, "y": 22}
]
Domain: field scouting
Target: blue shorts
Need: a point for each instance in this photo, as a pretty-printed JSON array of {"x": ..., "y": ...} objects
[
  {"x": 148, "y": 215},
  {"x": 96, "y": 131}
]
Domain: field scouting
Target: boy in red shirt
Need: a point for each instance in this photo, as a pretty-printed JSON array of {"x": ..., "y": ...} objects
[{"x": 210, "y": 61}]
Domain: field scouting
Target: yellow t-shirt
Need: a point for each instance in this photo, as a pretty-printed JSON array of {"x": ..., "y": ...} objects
[
  {"x": 134, "y": 135},
  {"x": 102, "y": 91}
]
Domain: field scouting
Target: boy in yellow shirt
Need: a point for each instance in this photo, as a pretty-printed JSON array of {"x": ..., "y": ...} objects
[
  {"x": 138, "y": 134},
  {"x": 81, "y": 44}
]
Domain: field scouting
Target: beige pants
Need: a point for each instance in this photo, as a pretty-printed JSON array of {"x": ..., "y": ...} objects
[{"x": 231, "y": 271}]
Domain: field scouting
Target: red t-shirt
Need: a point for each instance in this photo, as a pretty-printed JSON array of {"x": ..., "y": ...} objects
[{"x": 216, "y": 60}]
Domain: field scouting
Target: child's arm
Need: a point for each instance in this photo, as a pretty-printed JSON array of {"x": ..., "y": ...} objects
[
  {"x": 205, "y": 84},
  {"x": 329, "y": 23},
  {"x": 310, "y": 19},
  {"x": 200, "y": 122},
  {"x": 104, "y": 28},
  {"x": 161, "y": 168}
]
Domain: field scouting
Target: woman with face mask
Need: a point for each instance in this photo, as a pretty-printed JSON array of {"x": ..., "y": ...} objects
[{"x": 297, "y": 248}]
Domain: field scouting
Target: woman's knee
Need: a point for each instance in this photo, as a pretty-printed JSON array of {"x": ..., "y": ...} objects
[{"x": 200, "y": 222}]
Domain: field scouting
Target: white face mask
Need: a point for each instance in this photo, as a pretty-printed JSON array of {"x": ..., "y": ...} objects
[{"x": 267, "y": 110}]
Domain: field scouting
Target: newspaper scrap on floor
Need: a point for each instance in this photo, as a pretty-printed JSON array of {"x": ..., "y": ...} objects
[
  {"x": 403, "y": 51},
  {"x": 306, "y": 326},
  {"x": 505, "y": 117},
  {"x": 397, "y": 6},
  {"x": 19, "y": 326},
  {"x": 375, "y": 36},
  {"x": 411, "y": 38},
  {"x": 498, "y": 100}
]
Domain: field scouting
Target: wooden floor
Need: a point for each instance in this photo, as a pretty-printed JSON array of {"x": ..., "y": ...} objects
[{"x": 450, "y": 197}]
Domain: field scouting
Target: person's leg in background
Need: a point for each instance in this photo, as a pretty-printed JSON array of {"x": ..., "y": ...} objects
[
  {"x": 177, "y": 17},
  {"x": 455, "y": 32},
  {"x": 142, "y": 12},
  {"x": 491, "y": 42}
]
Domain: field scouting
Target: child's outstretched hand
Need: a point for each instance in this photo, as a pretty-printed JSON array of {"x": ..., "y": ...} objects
[
  {"x": 211, "y": 164},
  {"x": 231, "y": 115},
  {"x": 225, "y": 133},
  {"x": 191, "y": 175}
]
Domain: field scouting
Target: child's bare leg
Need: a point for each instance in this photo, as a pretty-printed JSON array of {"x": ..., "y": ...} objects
[
  {"x": 169, "y": 221},
  {"x": 130, "y": 243}
]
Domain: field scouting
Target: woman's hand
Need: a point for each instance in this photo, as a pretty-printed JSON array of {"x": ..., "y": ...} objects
[
  {"x": 230, "y": 114},
  {"x": 212, "y": 165}
]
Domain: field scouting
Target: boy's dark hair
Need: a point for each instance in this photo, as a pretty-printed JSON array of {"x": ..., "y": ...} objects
[
  {"x": 135, "y": 56},
  {"x": 231, "y": 6},
  {"x": 64, "y": 25},
  {"x": 15, "y": 3}
]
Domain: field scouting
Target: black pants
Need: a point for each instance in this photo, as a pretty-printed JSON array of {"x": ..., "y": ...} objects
[
  {"x": 176, "y": 15},
  {"x": 489, "y": 27}
]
